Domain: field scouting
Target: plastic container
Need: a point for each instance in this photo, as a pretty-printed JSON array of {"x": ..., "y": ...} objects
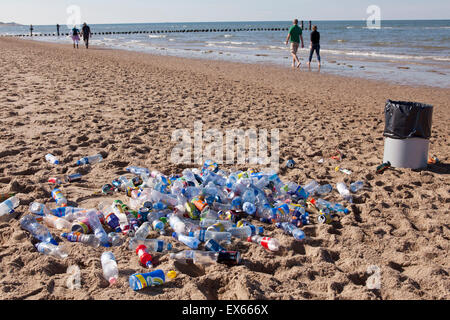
[{"x": 109, "y": 266}]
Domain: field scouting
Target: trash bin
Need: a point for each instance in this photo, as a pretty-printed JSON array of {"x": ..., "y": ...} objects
[{"x": 407, "y": 133}]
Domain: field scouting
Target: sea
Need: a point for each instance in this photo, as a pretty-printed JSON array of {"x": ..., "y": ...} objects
[{"x": 411, "y": 52}]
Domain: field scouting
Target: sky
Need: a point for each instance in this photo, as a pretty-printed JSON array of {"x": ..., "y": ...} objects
[{"x": 46, "y": 12}]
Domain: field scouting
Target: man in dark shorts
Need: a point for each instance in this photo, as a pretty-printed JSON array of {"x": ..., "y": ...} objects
[
  {"x": 86, "y": 33},
  {"x": 315, "y": 46},
  {"x": 295, "y": 35}
]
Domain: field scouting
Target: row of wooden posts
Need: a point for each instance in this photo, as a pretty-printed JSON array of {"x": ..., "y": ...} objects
[{"x": 164, "y": 31}]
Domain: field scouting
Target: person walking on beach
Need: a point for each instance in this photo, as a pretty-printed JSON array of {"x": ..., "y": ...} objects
[
  {"x": 314, "y": 46},
  {"x": 295, "y": 35},
  {"x": 57, "y": 29},
  {"x": 75, "y": 36},
  {"x": 86, "y": 34},
  {"x": 31, "y": 30}
]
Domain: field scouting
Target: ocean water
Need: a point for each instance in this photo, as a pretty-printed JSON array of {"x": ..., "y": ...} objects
[{"x": 404, "y": 52}]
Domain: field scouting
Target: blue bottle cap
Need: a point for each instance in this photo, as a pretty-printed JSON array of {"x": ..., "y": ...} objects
[
  {"x": 174, "y": 234},
  {"x": 78, "y": 162},
  {"x": 53, "y": 241},
  {"x": 57, "y": 162},
  {"x": 261, "y": 230}
]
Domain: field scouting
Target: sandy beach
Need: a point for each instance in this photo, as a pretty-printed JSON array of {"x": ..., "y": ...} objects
[{"x": 125, "y": 105}]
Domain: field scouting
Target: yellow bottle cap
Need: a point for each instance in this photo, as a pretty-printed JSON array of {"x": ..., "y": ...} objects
[{"x": 172, "y": 274}]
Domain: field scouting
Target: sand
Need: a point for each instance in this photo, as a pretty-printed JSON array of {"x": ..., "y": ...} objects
[{"x": 125, "y": 105}]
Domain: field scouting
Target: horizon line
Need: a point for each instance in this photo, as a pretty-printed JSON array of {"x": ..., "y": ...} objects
[{"x": 229, "y": 21}]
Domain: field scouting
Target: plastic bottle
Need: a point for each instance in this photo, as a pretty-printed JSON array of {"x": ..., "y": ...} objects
[
  {"x": 51, "y": 250},
  {"x": 38, "y": 231},
  {"x": 143, "y": 231},
  {"x": 241, "y": 233},
  {"x": 51, "y": 159},
  {"x": 138, "y": 171},
  {"x": 204, "y": 235},
  {"x": 144, "y": 257},
  {"x": 88, "y": 239},
  {"x": 356, "y": 186},
  {"x": 153, "y": 218},
  {"x": 96, "y": 226},
  {"x": 113, "y": 222},
  {"x": 324, "y": 189},
  {"x": 311, "y": 187},
  {"x": 90, "y": 160},
  {"x": 64, "y": 179},
  {"x": 344, "y": 192},
  {"x": 109, "y": 266},
  {"x": 191, "y": 242},
  {"x": 114, "y": 239},
  {"x": 207, "y": 257},
  {"x": 291, "y": 229},
  {"x": 180, "y": 226},
  {"x": 58, "y": 223},
  {"x": 58, "y": 196},
  {"x": 249, "y": 208},
  {"x": 154, "y": 245},
  {"x": 212, "y": 245},
  {"x": 322, "y": 204},
  {"x": 271, "y": 244},
  {"x": 210, "y": 222},
  {"x": 254, "y": 229},
  {"x": 139, "y": 281},
  {"x": 8, "y": 206},
  {"x": 69, "y": 213}
]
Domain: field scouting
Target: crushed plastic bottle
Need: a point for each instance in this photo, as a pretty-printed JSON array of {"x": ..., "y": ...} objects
[
  {"x": 154, "y": 245},
  {"x": 7, "y": 207},
  {"x": 38, "y": 231},
  {"x": 344, "y": 192},
  {"x": 90, "y": 160},
  {"x": 356, "y": 186},
  {"x": 109, "y": 266},
  {"x": 191, "y": 242},
  {"x": 51, "y": 250},
  {"x": 291, "y": 229},
  {"x": 56, "y": 222},
  {"x": 324, "y": 189},
  {"x": 88, "y": 239},
  {"x": 138, "y": 171}
]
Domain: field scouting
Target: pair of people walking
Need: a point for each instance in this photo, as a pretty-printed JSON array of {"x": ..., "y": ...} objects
[
  {"x": 85, "y": 33},
  {"x": 295, "y": 36}
]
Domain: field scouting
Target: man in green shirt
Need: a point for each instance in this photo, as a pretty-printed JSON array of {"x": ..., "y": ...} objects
[{"x": 295, "y": 35}]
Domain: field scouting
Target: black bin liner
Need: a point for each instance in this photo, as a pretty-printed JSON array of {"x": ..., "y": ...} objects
[{"x": 407, "y": 120}]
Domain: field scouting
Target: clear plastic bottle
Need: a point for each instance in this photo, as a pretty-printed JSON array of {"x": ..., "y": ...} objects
[
  {"x": 143, "y": 231},
  {"x": 322, "y": 204},
  {"x": 241, "y": 233},
  {"x": 207, "y": 257},
  {"x": 154, "y": 245},
  {"x": 51, "y": 250},
  {"x": 205, "y": 235},
  {"x": 90, "y": 160},
  {"x": 191, "y": 242},
  {"x": 271, "y": 244},
  {"x": 210, "y": 222},
  {"x": 97, "y": 227},
  {"x": 51, "y": 159},
  {"x": 139, "y": 171},
  {"x": 8, "y": 206},
  {"x": 324, "y": 189},
  {"x": 249, "y": 208},
  {"x": 88, "y": 239},
  {"x": 344, "y": 192},
  {"x": 291, "y": 229},
  {"x": 109, "y": 266},
  {"x": 180, "y": 226},
  {"x": 114, "y": 239},
  {"x": 311, "y": 187},
  {"x": 38, "y": 231},
  {"x": 56, "y": 222},
  {"x": 39, "y": 209},
  {"x": 356, "y": 186}
]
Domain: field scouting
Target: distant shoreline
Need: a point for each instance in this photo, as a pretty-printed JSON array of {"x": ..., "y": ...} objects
[{"x": 10, "y": 24}]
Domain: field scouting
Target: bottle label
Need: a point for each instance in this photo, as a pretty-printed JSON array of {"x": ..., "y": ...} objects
[
  {"x": 74, "y": 237},
  {"x": 265, "y": 242},
  {"x": 201, "y": 235},
  {"x": 160, "y": 246}
]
